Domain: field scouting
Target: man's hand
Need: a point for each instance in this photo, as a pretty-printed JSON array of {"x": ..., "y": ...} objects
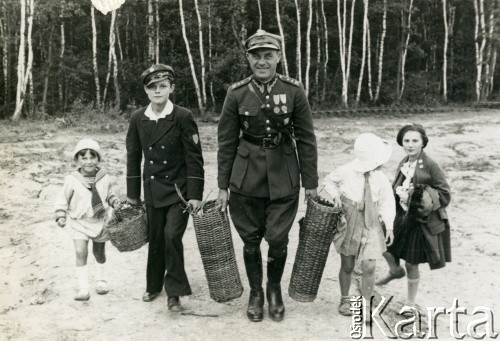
[
  {"x": 61, "y": 222},
  {"x": 195, "y": 204},
  {"x": 222, "y": 199},
  {"x": 337, "y": 202},
  {"x": 311, "y": 193},
  {"x": 134, "y": 201},
  {"x": 389, "y": 237}
]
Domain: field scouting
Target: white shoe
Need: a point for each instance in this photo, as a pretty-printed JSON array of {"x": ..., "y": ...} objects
[
  {"x": 102, "y": 287},
  {"x": 82, "y": 295}
]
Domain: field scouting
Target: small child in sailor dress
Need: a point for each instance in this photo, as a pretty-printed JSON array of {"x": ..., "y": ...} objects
[
  {"x": 364, "y": 193},
  {"x": 82, "y": 205}
]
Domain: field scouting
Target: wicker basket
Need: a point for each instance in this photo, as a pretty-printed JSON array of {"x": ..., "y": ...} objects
[
  {"x": 213, "y": 235},
  {"x": 128, "y": 229},
  {"x": 315, "y": 236}
]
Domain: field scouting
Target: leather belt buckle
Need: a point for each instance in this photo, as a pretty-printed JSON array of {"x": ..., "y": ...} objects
[{"x": 267, "y": 143}]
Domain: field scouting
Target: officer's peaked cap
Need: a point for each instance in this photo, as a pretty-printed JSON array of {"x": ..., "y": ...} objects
[{"x": 263, "y": 40}]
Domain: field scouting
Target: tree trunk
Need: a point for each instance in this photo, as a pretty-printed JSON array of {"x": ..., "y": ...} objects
[
  {"x": 283, "y": 49},
  {"x": 191, "y": 63},
  {"x": 94, "y": 59},
  {"x": 117, "y": 35},
  {"x": 202, "y": 56},
  {"x": 47, "y": 73},
  {"x": 404, "y": 50},
  {"x": 445, "y": 52},
  {"x": 326, "y": 59},
  {"x": 308, "y": 46},
  {"x": 150, "y": 32},
  {"x": 157, "y": 32},
  {"x": 489, "y": 51},
  {"x": 260, "y": 14},
  {"x": 381, "y": 53},
  {"x": 345, "y": 56},
  {"x": 369, "y": 60},
  {"x": 479, "y": 24},
  {"x": 318, "y": 54},
  {"x": 210, "y": 71},
  {"x": 20, "y": 64},
  {"x": 363, "y": 54},
  {"x": 61, "y": 56},
  {"x": 111, "y": 62},
  {"x": 5, "y": 38},
  {"x": 298, "y": 52}
]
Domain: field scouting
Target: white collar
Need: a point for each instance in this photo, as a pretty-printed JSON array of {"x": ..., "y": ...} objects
[{"x": 169, "y": 107}]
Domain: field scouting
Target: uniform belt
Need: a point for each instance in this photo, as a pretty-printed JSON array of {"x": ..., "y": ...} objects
[{"x": 265, "y": 142}]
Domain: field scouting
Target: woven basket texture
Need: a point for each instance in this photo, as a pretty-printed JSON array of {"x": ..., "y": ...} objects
[
  {"x": 316, "y": 234},
  {"x": 213, "y": 234},
  {"x": 128, "y": 228}
]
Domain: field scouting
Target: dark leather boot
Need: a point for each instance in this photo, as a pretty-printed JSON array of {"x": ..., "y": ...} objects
[
  {"x": 275, "y": 266},
  {"x": 253, "y": 265}
]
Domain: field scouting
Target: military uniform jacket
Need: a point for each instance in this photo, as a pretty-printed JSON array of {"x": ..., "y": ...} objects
[
  {"x": 172, "y": 155},
  {"x": 248, "y": 169}
]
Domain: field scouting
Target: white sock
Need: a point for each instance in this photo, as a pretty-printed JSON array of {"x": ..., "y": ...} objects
[
  {"x": 412, "y": 290},
  {"x": 100, "y": 270},
  {"x": 83, "y": 276}
]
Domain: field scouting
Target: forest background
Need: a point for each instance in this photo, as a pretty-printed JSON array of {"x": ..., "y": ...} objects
[{"x": 64, "y": 58}]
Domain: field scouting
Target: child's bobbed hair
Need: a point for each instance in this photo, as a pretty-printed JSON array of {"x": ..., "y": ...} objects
[
  {"x": 92, "y": 152},
  {"x": 85, "y": 145}
]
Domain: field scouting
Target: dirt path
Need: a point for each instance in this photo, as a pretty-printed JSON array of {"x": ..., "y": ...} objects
[{"x": 37, "y": 258}]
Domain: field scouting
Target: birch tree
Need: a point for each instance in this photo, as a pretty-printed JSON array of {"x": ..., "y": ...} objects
[
  {"x": 369, "y": 60},
  {"x": 363, "y": 54},
  {"x": 381, "y": 53},
  {"x": 298, "y": 51},
  {"x": 94, "y": 59},
  {"x": 202, "y": 55},
  {"x": 210, "y": 70},
  {"x": 326, "y": 59},
  {"x": 405, "y": 40},
  {"x": 283, "y": 49},
  {"x": 489, "y": 68},
  {"x": 318, "y": 52},
  {"x": 191, "y": 63},
  {"x": 112, "y": 63},
  {"x": 308, "y": 46},
  {"x": 260, "y": 14},
  {"x": 345, "y": 46},
  {"x": 150, "y": 33},
  {"x": 445, "y": 51},
  {"x": 61, "y": 53},
  {"x": 47, "y": 72},
  {"x": 24, "y": 66},
  {"x": 5, "y": 38},
  {"x": 157, "y": 32}
]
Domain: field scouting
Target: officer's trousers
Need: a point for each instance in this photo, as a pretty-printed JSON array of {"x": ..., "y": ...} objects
[
  {"x": 166, "y": 228},
  {"x": 257, "y": 218}
]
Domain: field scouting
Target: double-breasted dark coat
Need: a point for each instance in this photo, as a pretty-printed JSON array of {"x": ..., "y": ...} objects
[
  {"x": 172, "y": 155},
  {"x": 248, "y": 169}
]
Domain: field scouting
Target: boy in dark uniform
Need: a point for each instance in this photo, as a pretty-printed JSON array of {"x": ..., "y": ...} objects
[
  {"x": 167, "y": 135},
  {"x": 262, "y": 169}
]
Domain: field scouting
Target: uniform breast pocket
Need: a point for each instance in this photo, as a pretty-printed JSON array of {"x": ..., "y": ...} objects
[
  {"x": 240, "y": 166},
  {"x": 248, "y": 115}
]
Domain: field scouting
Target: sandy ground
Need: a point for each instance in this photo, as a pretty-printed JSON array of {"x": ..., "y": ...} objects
[{"x": 38, "y": 281}]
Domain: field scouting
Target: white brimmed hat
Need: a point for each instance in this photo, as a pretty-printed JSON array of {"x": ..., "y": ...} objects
[
  {"x": 371, "y": 152},
  {"x": 87, "y": 144}
]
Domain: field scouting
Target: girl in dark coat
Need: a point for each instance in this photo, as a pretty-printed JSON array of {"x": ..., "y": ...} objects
[{"x": 427, "y": 238}]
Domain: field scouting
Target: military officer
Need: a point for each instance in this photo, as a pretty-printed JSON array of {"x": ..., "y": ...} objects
[
  {"x": 167, "y": 136},
  {"x": 262, "y": 168}
]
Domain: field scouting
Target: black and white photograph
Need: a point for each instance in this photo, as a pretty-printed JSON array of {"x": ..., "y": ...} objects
[{"x": 249, "y": 169}]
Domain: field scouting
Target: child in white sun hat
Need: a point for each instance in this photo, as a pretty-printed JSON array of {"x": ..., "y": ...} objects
[
  {"x": 364, "y": 193},
  {"x": 82, "y": 205}
]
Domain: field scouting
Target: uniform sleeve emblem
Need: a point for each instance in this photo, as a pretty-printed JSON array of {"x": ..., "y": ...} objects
[{"x": 196, "y": 138}]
